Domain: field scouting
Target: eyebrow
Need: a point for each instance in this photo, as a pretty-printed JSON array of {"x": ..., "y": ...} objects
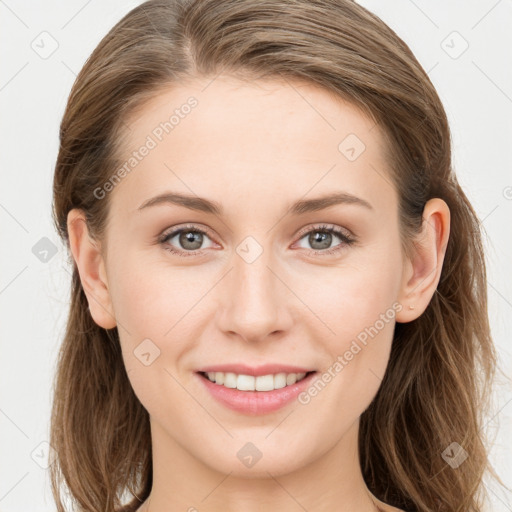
[{"x": 298, "y": 208}]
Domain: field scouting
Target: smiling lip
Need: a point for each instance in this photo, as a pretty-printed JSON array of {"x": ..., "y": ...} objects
[
  {"x": 254, "y": 403},
  {"x": 242, "y": 369}
]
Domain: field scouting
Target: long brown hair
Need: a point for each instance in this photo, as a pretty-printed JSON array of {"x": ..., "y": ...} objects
[{"x": 437, "y": 385}]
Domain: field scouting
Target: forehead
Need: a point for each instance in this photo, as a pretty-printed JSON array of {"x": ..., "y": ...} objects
[{"x": 209, "y": 136}]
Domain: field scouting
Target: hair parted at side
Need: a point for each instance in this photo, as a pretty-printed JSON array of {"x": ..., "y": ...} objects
[{"x": 437, "y": 385}]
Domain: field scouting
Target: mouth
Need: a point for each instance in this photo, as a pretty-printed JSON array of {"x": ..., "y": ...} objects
[
  {"x": 263, "y": 383},
  {"x": 255, "y": 394}
]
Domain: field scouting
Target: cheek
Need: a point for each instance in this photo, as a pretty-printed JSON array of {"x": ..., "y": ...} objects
[
  {"x": 149, "y": 308},
  {"x": 146, "y": 295},
  {"x": 358, "y": 354},
  {"x": 358, "y": 304},
  {"x": 157, "y": 308},
  {"x": 354, "y": 295}
]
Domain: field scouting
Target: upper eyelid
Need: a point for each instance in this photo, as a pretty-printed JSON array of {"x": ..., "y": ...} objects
[
  {"x": 192, "y": 227},
  {"x": 325, "y": 226}
]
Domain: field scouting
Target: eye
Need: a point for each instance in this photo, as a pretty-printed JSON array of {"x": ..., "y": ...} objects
[
  {"x": 321, "y": 238},
  {"x": 190, "y": 238}
]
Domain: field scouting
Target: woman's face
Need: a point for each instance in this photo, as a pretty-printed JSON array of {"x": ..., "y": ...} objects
[{"x": 258, "y": 281}]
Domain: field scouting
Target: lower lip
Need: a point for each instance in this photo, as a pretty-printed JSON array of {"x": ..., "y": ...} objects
[{"x": 256, "y": 402}]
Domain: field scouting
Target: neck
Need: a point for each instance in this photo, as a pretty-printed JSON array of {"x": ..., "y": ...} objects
[{"x": 333, "y": 481}]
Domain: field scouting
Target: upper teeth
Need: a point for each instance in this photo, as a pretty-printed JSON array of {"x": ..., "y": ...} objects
[{"x": 251, "y": 383}]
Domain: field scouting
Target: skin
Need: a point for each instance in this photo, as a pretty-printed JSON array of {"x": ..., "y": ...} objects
[{"x": 255, "y": 148}]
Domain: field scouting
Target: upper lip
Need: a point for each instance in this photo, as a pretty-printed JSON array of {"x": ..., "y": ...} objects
[{"x": 255, "y": 371}]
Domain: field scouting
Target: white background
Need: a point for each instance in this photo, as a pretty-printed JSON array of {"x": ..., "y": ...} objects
[{"x": 476, "y": 90}]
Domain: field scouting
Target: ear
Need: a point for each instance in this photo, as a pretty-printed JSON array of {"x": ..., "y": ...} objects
[
  {"x": 91, "y": 267},
  {"x": 422, "y": 270}
]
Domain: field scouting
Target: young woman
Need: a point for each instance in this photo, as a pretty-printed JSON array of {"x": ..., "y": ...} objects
[{"x": 279, "y": 290}]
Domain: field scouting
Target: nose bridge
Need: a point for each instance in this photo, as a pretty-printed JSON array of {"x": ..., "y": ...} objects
[{"x": 254, "y": 303}]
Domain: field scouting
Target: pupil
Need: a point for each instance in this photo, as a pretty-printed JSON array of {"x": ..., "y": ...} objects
[
  {"x": 323, "y": 238},
  {"x": 188, "y": 237}
]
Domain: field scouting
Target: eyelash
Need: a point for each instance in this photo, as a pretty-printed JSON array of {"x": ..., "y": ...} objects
[{"x": 346, "y": 239}]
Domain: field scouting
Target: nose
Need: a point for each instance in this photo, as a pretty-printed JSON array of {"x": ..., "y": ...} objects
[{"x": 254, "y": 299}]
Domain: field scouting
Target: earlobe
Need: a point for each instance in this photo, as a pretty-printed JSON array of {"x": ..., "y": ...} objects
[
  {"x": 91, "y": 267},
  {"x": 422, "y": 271}
]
